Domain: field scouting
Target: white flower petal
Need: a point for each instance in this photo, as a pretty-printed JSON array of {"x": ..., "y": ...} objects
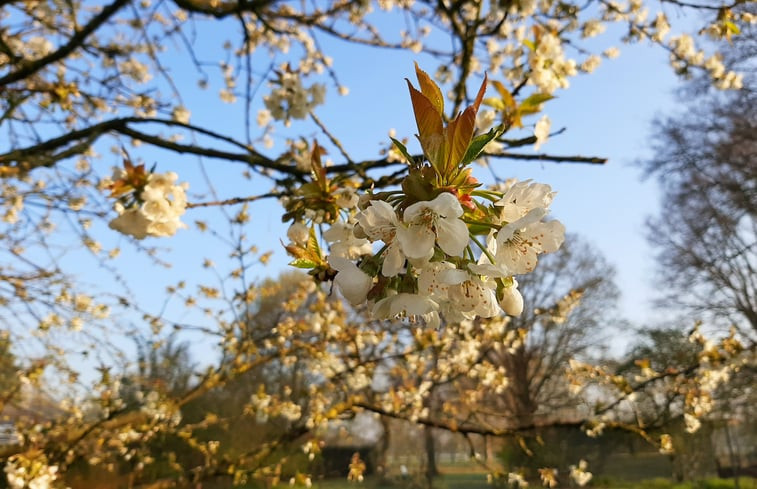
[
  {"x": 429, "y": 279},
  {"x": 353, "y": 282},
  {"x": 453, "y": 276},
  {"x": 445, "y": 205},
  {"x": 408, "y": 305},
  {"x": 416, "y": 241},
  {"x": 394, "y": 260},
  {"x": 552, "y": 235},
  {"x": 378, "y": 221},
  {"x": 412, "y": 305},
  {"x": 453, "y": 236}
]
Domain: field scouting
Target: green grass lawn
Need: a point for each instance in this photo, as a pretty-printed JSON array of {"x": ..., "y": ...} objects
[
  {"x": 474, "y": 480},
  {"x": 447, "y": 481},
  {"x": 478, "y": 481},
  {"x": 662, "y": 483}
]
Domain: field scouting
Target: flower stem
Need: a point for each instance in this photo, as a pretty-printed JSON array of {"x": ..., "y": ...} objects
[
  {"x": 488, "y": 194},
  {"x": 470, "y": 252},
  {"x": 481, "y": 223},
  {"x": 483, "y": 249}
]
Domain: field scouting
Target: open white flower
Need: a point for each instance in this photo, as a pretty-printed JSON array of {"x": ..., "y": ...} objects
[
  {"x": 344, "y": 243},
  {"x": 460, "y": 293},
  {"x": 519, "y": 242},
  {"x": 131, "y": 222},
  {"x": 353, "y": 282},
  {"x": 430, "y": 280},
  {"x": 430, "y": 222},
  {"x": 159, "y": 215},
  {"x": 379, "y": 222},
  {"x": 410, "y": 306},
  {"x": 522, "y": 197},
  {"x": 470, "y": 294}
]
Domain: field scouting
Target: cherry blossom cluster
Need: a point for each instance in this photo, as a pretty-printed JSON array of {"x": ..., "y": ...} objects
[
  {"x": 32, "y": 473},
  {"x": 290, "y": 99},
  {"x": 441, "y": 247},
  {"x": 148, "y": 203},
  {"x": 523, "y": 50},
  {"x": 716, "y": 362}
]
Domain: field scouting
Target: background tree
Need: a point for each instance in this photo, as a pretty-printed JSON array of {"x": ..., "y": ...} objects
[
  {"x": 706, "y": 238},
  {"x": 706, "y": 234},
  {"x": 579, "y": 295},
  {"x": 703, "y": 437},
  {"x": 577, "y": 286}
]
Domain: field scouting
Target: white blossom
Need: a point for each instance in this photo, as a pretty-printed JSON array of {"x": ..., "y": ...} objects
[
  {"x": 579, "y": 473},
  {"x": 298, "y": 233},
  {"x": 159, "y": 215},
  {"x": 379, "y": 223},
  {"x": 408, "y": 305},
  {"x": 430, "y": 222},
  {"x": 519, "y": 242},
  {"x": 512, "y": 300},
  {"x": 344, "y": 243},
  {"x": 353, "y": 282},
  {"x": 541, "y": 131}
]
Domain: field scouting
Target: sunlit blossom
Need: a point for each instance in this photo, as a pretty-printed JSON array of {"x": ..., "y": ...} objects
[{"x": 433, "y": 222}]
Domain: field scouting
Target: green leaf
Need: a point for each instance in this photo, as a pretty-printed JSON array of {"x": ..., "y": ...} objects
[
  {"x": 495, "y": 103},
  {"x": 303, "y": 263},
  {"x": 531, "y": 104},
  {"x": 402, "y": 149},
  {"x": 479, "y": 142},
  {"x": 312, "y": 245},
  {"x": 416, "y": 187},
  {"x": 732, "y": 28}
]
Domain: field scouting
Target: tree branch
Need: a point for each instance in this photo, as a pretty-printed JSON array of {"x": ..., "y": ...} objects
[
  {"x": 594, "y": 160},
  {"x": 76, "y": 41}
]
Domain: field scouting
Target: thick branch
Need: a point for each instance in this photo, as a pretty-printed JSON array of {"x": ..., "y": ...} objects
[
  {"x": 594, "y": 160},
  {"x": 76, "y": 41}
]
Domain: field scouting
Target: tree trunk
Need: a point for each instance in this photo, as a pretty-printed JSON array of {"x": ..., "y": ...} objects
[
  {"x": 382, "y": 451},
  {"x": 431, "y": 468},
  {"x": 735, "y": 460}
]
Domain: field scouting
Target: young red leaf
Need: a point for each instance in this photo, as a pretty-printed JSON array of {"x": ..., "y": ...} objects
[
  {"x": 430, "y": 126},
  {"x": 460, "y": 131},
  {"x": 459, "y": 135},
  {"x": 480, "y": 95},
  {"x": 317, "y": 169},
  {"x": 430, "y": 90}
]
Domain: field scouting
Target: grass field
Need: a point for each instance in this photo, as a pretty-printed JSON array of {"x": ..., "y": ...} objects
[
  {"x": 447, "y": 481},
  {"x": 470, "y": 480}
]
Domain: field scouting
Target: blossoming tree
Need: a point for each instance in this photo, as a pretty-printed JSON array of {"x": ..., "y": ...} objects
[{"x": 410, "y": 237}]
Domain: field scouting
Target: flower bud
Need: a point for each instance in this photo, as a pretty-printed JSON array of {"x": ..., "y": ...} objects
[
  {"x": 512, "y": 300},
  {"x": 298, "y": 233}
]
